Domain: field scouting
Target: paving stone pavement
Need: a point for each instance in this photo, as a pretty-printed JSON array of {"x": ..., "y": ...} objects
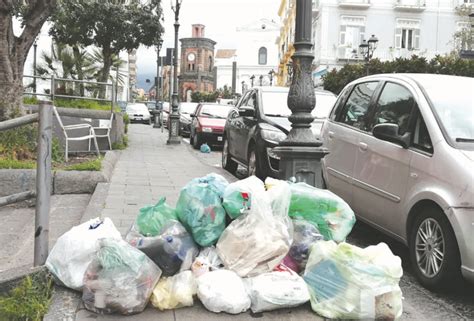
[
  {"x": 147, "y": 170},
  {"x": 18, "y": 223}
]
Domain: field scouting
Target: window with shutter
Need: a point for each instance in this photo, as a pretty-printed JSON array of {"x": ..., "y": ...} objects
[
  {"x": 398, "y": 38},
  {"x": 416, "y": 43},
  {"x": 342, "y": 36}
]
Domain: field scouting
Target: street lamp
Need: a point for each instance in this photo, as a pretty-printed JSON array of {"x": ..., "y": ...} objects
[
  {"x": 157, "y": 83},
  {"x": 468, "y": 51},
  {"x": 271, "y": 73},
  {"x": 174, "y": 117},
  {"x": 252, "y": 79},
  {"x": 289, "y": 68},
  {"x": 35, "y": 46},
  {"x": 367, "y": 48},
  {"x": 261, "y": 80},
  {"x": 301, "y": 153}
]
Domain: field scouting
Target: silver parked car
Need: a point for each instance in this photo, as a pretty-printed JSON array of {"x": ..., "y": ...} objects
[{"x": 402, "y": 155}]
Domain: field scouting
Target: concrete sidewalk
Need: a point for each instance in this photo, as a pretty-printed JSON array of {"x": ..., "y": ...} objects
[{"x": 147, "y": 170}]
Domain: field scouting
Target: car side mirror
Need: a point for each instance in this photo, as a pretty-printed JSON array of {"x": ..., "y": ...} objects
[
  {"x": 389, "y": 133},
  {"x": 246, "y": 111},
  {"x": 193, "y": 115}
]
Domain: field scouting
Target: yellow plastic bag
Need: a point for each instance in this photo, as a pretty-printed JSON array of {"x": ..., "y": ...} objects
[{"x": 175, "y": 292}]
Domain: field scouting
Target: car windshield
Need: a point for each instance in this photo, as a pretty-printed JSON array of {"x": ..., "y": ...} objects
[
  {"x": 187, "y": 108},
  {"x": 215, "y": 111},
  {"x": 453, "y": 102},
  {"x": 275, "y": 104},
  {"x": 135, "y": 108}
]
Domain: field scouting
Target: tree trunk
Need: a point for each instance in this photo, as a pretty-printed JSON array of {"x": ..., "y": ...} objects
[
  {"x": 78, "y": 59},
  {"x": 14, "y": 50},
  {"x": 105, "y": 72}
]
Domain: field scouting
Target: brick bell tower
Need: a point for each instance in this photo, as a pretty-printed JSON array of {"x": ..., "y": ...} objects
[{"x": 197, "y": 64}]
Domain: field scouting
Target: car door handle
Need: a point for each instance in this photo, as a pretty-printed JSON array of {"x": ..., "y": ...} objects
[
  {"x": 331, "y": 134},
  {"x": 363, "y": 146}
]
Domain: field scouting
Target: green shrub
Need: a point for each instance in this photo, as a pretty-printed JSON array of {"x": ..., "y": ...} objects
[
  {"x": 6, "y": 163},
  {"x": 336, "y": 80},
  {"x": 81, "y": 104},
  {"x": 29, "y": 301},
  {"x": 31, "y": 100},
  {"x": 122, "y": 144},
  {"x": 57, "y": 152},
  {"x": 19, "y": 143},
  {"x": 92, "y": 165},
  {"x": 126, "y": 121}
]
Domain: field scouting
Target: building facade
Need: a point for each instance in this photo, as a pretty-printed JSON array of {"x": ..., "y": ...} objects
[
  {"x": 403, "y": 27},
  {"x": 256, "y": 55},
  {"x": 196, "y": 64},
  {"x": 287, "y": 14}
]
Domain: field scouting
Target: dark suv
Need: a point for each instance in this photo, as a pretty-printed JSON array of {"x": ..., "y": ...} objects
[{"x": 258, "y": 123}]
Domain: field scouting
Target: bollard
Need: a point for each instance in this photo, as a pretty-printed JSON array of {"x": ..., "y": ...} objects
[{"x": 43, "y": 182}]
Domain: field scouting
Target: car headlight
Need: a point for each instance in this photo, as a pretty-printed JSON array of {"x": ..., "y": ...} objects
[
  {"x": 207, "y": 129},
  {"x": 271, "y": 153},
  {"x": 273, "y": 136}
]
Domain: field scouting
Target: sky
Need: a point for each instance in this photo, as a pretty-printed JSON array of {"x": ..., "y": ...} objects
[{"x": 221, "y": 18}]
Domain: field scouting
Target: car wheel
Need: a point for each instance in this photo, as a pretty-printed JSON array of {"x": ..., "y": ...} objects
[
  {"x": 255, "y": 167},
  {"x": 433, "y": 249},
  {"x": 196, "y": 141},
  {"x": 227, "y": 162}
]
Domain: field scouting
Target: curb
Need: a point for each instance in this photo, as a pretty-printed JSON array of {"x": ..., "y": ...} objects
[{"x": 63, "y": 182}]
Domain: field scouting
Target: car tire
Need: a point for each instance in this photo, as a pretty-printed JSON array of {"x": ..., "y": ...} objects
[
  {"x": 227, "y": 163},
  {"x": 434, "y": 251},
  {"x": 254, "y": 164},
  {"x": 196, "y": 141}
]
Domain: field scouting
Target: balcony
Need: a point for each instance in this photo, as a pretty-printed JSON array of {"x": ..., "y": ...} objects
[
  {"x": 344, "y": 53},
  {"x": 354, "y": 4},
  {"x": 410, "y": 5}
]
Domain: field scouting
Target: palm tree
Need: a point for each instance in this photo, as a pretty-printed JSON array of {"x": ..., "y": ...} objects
[{"x": 116, "y": 76}]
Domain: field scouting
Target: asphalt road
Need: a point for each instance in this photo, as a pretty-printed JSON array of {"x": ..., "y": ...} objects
[{"x": 419, "y": 303}]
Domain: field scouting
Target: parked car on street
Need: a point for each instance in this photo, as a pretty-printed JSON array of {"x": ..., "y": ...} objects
[
  {"x": 138, "y": 112},
  {"x": 166, "y": 112},
  {"x": 208, "y": 123},
  {"x": 185, "y": 110},
  {"x": 258, "y": 123},
  {"x": 402, "y": 155}
]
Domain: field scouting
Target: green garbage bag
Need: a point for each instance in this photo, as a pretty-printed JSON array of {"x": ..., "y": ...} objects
[
  {"x": 329, "y": 213},
  {"x": 238, "y": 195},
  {"x": 152, "y": 218},
  {"x": 200, "y": 210},
  {"x": 215, "y": 182}
]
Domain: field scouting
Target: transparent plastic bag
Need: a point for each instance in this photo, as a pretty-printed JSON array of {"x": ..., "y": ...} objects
[
  {"x": 200, "y": 208},
  {"x": 175, "y": 292},
  {"x": 152, "y": 218},
  {"x": 304, "y": 235},
  {"x": 172, "y": 250},
  {"x": 275, "y": 290},
  {"x": 348, "y": 282},
  {"x": 238, "y": 195},
  {"x": 73, "y": 251},
  {"x": 120, "y": 279},
  {"x": 223, "y": 291},
  {"x": 207, "y": 260},
  {"x": 325, "y": 210},
  {"x": 215, "y": 182},
  {"x": 256, "y": 242}
]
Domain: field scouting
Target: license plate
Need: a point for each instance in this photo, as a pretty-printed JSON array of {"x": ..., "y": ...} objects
[{"x": 219, "y": 139}]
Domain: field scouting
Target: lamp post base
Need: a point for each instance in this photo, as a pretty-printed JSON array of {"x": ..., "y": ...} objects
[
  {"x": 157, "y": 124},
  {"x": 301, "y": 162},
  {"x": 174, "y": 138}
]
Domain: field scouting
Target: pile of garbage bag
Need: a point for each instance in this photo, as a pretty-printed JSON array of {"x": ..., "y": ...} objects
[{"x": 245, "y": 245}]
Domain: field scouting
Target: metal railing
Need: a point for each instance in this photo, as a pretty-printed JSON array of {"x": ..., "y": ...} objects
[
  {"x": 43, "y": 176},
  {"x": 82, "y": 84}
]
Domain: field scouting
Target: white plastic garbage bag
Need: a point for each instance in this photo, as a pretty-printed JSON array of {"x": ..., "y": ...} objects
[
  {"x": 257, "y": 242},
  {"x": 175, "y": 292},
  {"x": 238, "y": 195},
  {"x": 120, "y": 279},
  {"x": 73, "y": 251},
  {"x": 207, "y": 260},
  {"x": 223, "y": 291},
  {"x": 274, "y": 290},
  {"x": 348, "y": 282}
]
